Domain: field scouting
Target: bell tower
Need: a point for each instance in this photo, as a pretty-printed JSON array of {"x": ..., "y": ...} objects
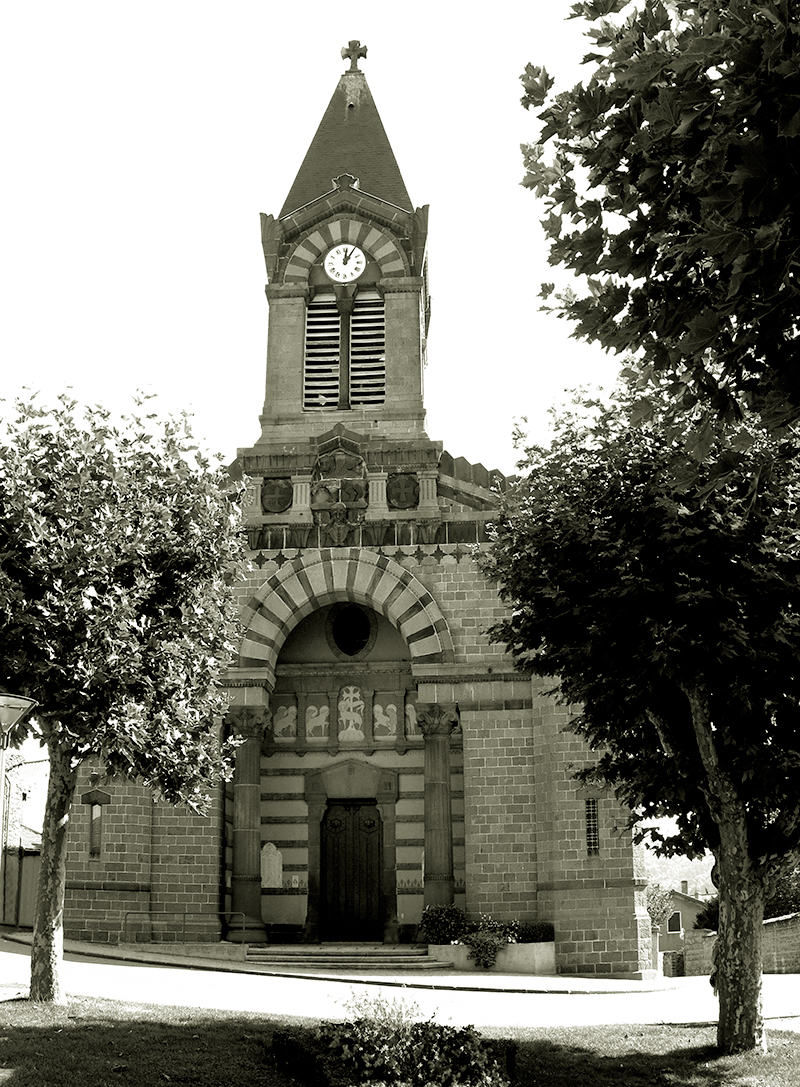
[{"x": 347, "y": 284}]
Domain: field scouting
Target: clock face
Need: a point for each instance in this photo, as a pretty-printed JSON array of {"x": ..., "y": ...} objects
[{"x": 344, "y": 263}]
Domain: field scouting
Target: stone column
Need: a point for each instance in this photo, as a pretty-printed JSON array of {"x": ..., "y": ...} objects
[
  {"x": 428, "y": 500},
  {"x": 301, "y": 499},
  {"x": 378, "y": 506},
  {"x": 246, "y": 882},
  {"x": 437, "y": 722}
]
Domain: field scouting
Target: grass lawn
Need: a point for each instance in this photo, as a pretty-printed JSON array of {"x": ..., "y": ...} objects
[{"x": 99, "y": 1043}]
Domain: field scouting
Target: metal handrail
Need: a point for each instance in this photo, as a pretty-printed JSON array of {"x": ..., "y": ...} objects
[{"x": 226, "y": 915}]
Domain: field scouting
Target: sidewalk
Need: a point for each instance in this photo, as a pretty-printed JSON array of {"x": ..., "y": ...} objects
[
  {"x": 489, "y": 1001},
  {"x": 441, "y": 979}
]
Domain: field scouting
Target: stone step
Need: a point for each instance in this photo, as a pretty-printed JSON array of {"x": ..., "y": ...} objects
[{"x": 344, "y": 957}]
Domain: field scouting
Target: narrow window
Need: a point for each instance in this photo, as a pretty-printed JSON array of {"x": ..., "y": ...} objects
[
  {"x": 592, "y": 829},
  {"x": 95, "y": 829},
  {"x": 674, "y": 923}
]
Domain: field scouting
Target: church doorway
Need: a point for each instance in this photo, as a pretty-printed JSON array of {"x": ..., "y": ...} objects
[{"x": 350, "y": 872}]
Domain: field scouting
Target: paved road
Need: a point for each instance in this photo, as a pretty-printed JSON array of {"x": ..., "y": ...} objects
[{"x": 687, "y": 1000}]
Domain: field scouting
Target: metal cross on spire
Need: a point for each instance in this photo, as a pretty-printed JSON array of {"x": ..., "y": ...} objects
[{"x": 354, "y": 50}]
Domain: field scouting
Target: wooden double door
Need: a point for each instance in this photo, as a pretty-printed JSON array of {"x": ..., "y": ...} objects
[{"x": 350, "y": 871}]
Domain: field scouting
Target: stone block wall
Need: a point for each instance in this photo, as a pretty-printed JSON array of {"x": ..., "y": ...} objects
[
  {"x": 782, "y": 945},
  {"x": 698, "y": 950},
  {"x": 187, "y": 852},
  {"x": 157, "y": 874},
  {"x": 591, "y": 877},
  {"x": 500, "y": 805},
  {"x": 780, "y": 949}
]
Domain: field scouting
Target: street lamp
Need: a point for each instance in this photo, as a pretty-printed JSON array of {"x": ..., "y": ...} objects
[{"x": 13, "y": 708}]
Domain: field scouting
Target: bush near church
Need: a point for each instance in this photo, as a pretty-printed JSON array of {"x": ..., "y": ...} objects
[
  {"x": 484, "y": 937},
  {"x": 383, "y": 1044}
]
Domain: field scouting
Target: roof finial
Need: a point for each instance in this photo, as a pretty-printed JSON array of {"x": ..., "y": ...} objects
[{"x": 354, "y": 50}]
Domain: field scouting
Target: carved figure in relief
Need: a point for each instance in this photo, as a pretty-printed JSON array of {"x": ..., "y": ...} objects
[
  {"x": 339, "y": 463},
  {"x": 412, "y": 729},
  {"x": 338, "y": 528},
  {"x": 351, "y": 714},
  {"x": 317, "y": 721},
  {"x": 284, "y": 722},
  {"x": 384, "y": 720}
]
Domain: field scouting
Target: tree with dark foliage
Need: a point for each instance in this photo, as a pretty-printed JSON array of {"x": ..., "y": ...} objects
[
  {"x": 670, "y": 616},
  {"x": 670, "y": 177},
  {"x": 118, "y": 554}
]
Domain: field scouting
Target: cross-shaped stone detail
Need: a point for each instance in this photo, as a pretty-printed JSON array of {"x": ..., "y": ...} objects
[{"x": 354, "y": 50}]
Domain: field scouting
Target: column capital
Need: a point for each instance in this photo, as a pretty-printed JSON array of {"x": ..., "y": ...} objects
[
  {"x": 438, "y": 718},
  {"x": 246, "y": 722}
]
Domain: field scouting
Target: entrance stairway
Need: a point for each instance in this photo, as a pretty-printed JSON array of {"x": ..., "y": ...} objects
[{"x": 348, "y": 958}]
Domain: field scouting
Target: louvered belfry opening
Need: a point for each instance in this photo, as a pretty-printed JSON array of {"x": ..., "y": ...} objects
[
  {"x": 321, "y": 371},
  {"x": 367, "y": 351},
  {"x": 360, "y": 336}
]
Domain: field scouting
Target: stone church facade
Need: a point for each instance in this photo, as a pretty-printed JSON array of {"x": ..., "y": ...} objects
[{"x": 392, "y": 758}]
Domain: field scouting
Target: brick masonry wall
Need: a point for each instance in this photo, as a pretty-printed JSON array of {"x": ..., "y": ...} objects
[
  {"x": 596, "y": 900},
  {"x": 156, "y": 863},
  {"x": 187, "y": 871},
  {"x": 101, "y": 890}
]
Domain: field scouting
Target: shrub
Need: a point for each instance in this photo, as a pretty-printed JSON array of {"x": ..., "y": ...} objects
[
  {"x": 487, "y": 923},
  {"x": 535, "y": 932},
  {"x": 385, "y": 1045},
  {"x": 442, "y": 924},
  {"x": 392, "y": 1014},
  {"x": 484, "y": 945},
  {"x": 418, "y": 1054}
]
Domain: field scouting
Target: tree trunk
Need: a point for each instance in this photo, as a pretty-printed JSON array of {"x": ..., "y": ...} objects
[
  {"x": 737, "y": 954},
  {"x": 48, "y": 929}
]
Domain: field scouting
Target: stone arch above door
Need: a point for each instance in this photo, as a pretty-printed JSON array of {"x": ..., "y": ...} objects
[{"x": 318, "y": 578}]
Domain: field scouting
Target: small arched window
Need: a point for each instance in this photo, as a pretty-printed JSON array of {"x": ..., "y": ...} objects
[{"x": 97, "y": 800}]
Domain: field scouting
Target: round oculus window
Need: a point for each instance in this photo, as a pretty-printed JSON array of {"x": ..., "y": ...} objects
[{"x": 351, "y": 631}]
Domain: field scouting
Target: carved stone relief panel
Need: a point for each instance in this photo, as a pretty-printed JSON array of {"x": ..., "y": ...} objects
[
  {"x": 412, "y": 725},
  {"x": 276, "y": 495},
  {"x": 402, "y": 491},
  {"x": 284, "y": 719},
  {"x": 317, "y": 718},
  {"x": 384, "y": 717},
  {"x": 351, "y": 714}
]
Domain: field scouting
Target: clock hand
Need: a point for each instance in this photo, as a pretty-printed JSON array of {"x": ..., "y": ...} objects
[{"x": 347, "y": 256}]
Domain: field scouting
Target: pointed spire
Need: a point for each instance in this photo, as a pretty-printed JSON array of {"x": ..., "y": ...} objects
[{"x": 351, "y": 139}]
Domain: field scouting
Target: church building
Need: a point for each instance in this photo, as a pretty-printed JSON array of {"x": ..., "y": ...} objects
[{"x": 392, "y": 756}]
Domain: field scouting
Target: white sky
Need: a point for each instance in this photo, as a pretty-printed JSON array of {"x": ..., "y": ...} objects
[{"x": 141, "y": 141}]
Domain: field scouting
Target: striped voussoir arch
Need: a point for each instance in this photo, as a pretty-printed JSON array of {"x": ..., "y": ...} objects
[
  {"x": 379, "y": 246},
  {"x": 323, "y": 577}
]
